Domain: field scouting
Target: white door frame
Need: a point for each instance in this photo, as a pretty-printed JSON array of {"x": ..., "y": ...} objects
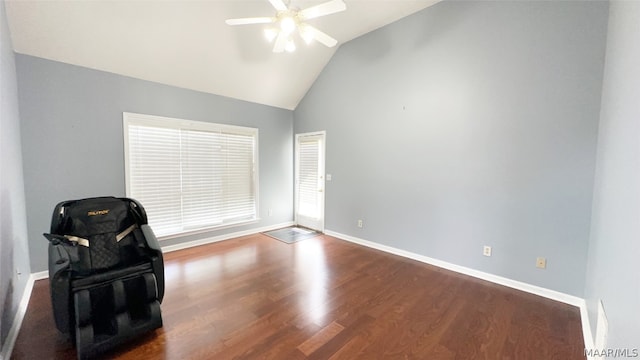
[{"x": 319, "y": 226}]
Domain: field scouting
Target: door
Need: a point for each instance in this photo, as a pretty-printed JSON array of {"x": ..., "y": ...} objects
[{"x": 310, "y": 180}]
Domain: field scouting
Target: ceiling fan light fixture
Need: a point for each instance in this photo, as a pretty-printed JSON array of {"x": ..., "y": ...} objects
[
  {"x": 306, "y": 35},
  {"x": 290, "y": 47},
  {"x": 270, "y": 34},
  {"x": 287, "y": 24},
  {"x": 291, "y": 19}
]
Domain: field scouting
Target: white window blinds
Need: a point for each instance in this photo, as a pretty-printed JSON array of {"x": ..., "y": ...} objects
[
  {"x": 190, "y": 175},
  {"x": 308, "y": 182}
]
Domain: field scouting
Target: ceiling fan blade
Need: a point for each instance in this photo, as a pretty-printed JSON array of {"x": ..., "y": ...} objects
[
  {"x": 327, "y": 8},
  {"x": 279, "y": 5},
  {"x": 281, "y": 42},
  {"x": 320, "y": 36},
  {"x": 248, "y": 21}
]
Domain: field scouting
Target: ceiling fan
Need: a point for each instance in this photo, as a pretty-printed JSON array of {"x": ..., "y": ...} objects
[{"x": 290, "y": 20}]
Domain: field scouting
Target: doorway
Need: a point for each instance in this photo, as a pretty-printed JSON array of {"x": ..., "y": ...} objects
[{"x": 309, "y": 180}]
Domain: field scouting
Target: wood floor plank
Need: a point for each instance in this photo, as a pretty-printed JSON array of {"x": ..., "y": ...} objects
[
  {"x": 323, "y": 298},
  {"x": 320, "y": 338}
]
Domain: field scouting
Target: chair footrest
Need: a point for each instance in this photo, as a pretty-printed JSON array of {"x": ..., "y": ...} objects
[{"x": 111, "y": 313}]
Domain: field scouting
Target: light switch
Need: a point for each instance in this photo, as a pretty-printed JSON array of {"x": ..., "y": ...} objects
[{"x": 328, "y": 177}]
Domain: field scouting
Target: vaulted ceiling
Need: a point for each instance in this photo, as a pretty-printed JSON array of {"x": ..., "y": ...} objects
[{"x": 186, "y": 43}]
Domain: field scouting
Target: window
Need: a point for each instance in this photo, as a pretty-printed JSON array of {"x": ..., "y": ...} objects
[{"x": 190, "y": 175}]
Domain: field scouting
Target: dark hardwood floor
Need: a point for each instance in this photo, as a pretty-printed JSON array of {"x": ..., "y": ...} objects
[{"x": 322, "y": 298}]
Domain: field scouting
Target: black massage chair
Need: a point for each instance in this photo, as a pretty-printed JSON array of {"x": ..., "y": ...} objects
[{"x": 106, "y": 272}]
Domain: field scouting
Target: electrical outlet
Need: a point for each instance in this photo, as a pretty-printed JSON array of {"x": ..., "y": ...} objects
[
  {"x": 360, "y": 224},
  {"x": 270, "y": 212},
  {"x": 486, "y": 251},
  {"x": 541, "y": 263}
]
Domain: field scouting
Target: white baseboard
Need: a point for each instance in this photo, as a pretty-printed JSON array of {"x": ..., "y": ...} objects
[
  {"x": 586, "y": 328},
  {"x": 209, "y": 240},
  {"x": 7, "y": 347},
  {"x": 518, "y": 285},
  {"x": 533, "y": 289},
  {"x": 40, "y": 275}
]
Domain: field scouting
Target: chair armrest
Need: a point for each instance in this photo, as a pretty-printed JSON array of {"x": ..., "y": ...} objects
[
  {"x": 157, "y": 262},
  {"x": 59, "y": 282},
  {"x": 59, "y": 259},
  {"x": 150, "y": 237}
]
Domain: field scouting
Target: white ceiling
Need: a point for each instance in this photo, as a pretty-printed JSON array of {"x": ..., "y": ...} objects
[{"x": 186, "y": 43}]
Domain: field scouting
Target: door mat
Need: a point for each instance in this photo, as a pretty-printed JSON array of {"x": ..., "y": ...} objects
[{"x": 291, "y": 235}]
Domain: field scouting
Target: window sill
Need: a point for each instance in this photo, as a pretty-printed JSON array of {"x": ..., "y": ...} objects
[{"x": 208, "y": 229}]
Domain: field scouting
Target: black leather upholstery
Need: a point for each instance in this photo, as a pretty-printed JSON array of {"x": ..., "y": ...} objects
[{"x": 106, "y": 272}]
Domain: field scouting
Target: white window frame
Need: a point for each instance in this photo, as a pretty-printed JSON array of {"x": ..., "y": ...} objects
[{"x": 174, "y": 123}]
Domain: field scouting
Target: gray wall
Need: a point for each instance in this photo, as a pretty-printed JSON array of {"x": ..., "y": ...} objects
[
  {"x": 14, "y": 251},
  {"x": 613, "y": 269},
  {"x": 468, "y": 124},
  {"x": 73, "y": 141},
  {"x": 463, "y": 125}
]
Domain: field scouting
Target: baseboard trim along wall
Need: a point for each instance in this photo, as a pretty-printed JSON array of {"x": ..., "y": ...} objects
[
  {"x": 518, "y": 285},
  {"x": 586, "y": 329},
  {"x": 12, "y": 336},
  {"x": 40, "y": 275}
]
